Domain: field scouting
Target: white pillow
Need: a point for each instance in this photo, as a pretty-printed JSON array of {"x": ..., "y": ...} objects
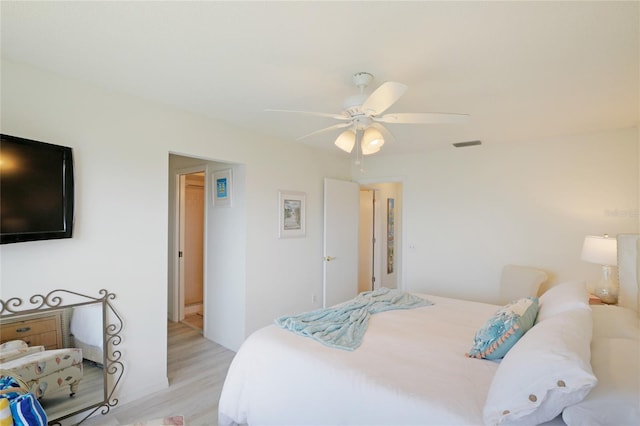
[
  {"x": 546, "y": 371},
  {"x": 6, "y": 356},
  {"x": 562, "y": 297},
  {"x": 616, "y": 398},
  {"x": 11, "y": 345}
]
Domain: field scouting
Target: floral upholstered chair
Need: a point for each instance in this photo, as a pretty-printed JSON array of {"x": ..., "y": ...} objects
[{"x": 42, "y": 371}]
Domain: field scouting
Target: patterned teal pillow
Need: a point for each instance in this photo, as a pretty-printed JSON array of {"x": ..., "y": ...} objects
[{"x": 503, "y": 330}]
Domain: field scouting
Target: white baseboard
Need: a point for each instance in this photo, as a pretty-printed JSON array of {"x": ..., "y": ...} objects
[
  {"x": 129, "y": 395},
  {"x": 195, "y": 308}
]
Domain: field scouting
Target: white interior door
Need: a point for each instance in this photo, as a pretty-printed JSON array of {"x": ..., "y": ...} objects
[
  {"x": 366, "y": 239},
  {"x": 189, "y": 244},
  {"x": 193, "y": 258},
  {"x": 341, "y": 218}
]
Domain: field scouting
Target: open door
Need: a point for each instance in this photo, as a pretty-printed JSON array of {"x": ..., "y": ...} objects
[
  {"x": 369, "y": 259},
  {"x": 341, "y": 219},
  {"x": 191, "y": 248}
]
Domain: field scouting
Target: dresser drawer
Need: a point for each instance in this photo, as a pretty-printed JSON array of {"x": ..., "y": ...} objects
[
  {"x": 49, "y": 340},
  {"x": 42, "y": 331}
]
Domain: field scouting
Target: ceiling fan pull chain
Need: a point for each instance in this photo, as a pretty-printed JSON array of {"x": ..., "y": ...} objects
[
  {"x": 359, "y": 156},
  {"x": 357, "y": 146}
]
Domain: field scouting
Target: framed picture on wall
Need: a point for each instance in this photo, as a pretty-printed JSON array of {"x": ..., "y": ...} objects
[
  {"x": 291, "y": 214},
  {"x": 222, "y": 188}
]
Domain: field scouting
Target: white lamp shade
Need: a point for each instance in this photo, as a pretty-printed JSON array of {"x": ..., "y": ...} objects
[
  {"x": 372, "y": 141},
  {"x": 600, "y": 250},
  {"x": 346, "y": 140}
]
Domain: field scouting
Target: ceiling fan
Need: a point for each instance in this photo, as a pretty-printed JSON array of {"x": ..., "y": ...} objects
[{"x": 363, "y": 116}]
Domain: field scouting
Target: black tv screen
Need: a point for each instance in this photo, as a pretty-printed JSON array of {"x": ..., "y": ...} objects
[{"x": 36, "y": 190}]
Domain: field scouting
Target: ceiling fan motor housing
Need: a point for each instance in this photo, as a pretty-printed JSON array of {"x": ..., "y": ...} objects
[
  {"x": 352, "y": 105},
  {"x": 362, "y": 79}
]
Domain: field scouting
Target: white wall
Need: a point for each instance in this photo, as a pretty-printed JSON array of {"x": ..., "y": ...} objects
[
  {"x": 225, "y": 264},
  {"x": 470, "y": 211},
  {"x": 121, "y": 146},
  {"x": 282, "y": 274}
]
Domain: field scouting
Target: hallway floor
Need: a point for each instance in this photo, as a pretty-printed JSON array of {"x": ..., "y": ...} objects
[{"x": 194, "y": 321}]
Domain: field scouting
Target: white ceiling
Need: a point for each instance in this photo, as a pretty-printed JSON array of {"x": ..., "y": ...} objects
[{"x": 522, "y": 70}]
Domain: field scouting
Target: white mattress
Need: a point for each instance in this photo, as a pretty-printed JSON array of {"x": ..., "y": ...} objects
[
  {"x": 410, "y": 369},
  {"x": 86, "y": 324}
]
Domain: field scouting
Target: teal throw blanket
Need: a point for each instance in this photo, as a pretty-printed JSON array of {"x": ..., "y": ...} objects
[{"x": 343, "y": 326}]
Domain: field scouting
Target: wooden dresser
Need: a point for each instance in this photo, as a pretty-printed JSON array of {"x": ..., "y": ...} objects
[{"x": 40, "y": 329}]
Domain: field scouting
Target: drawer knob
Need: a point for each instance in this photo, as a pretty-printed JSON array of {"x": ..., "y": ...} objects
[{"x": 23, "y": 329}]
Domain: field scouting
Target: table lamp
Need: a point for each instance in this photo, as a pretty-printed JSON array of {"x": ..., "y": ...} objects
[{"x": 603, "y": 251}]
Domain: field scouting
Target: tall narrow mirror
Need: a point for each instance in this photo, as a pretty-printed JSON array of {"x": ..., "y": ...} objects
[{"x": 60, "y": 347}]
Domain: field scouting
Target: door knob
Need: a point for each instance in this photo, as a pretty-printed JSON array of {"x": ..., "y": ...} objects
[{"x": 329, "y": 258}]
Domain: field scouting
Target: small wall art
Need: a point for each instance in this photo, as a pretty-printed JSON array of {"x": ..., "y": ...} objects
[
  {"x": 291, "y": 207},
  {"x": 222, "y": 188}
]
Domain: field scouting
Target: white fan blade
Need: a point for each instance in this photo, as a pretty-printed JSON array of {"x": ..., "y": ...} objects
[
  {"x": 326, "y": 129},
  {"x": 317, "y": 114},
  {"x": 388, "y": 137},
  {"x": 383, "y": 97},
  {"x": 422, "y": 117}
]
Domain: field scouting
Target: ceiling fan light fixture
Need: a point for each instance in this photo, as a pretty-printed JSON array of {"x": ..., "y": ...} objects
[
  {"x": 364, "y": 116},
  {"x": 346, "y": 140},
  {"x": 372, "y": 141}
]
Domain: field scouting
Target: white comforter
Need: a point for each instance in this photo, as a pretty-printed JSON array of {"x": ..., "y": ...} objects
[
  {"x": 86, "y": 324},
  {"x": 410, "y": 369}
]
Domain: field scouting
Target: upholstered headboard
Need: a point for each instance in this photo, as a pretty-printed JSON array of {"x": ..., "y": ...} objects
[
  {"x": 629, "y": 271},
  {"x": 519, "y": 281}
]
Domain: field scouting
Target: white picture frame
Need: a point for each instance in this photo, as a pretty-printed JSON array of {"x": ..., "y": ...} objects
[
  {"x": 292, "y": 214},
  {"x": 222, "y": 188}
]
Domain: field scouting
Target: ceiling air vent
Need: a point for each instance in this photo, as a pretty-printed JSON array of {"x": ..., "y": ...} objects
[{"x": 468, "y": 143}]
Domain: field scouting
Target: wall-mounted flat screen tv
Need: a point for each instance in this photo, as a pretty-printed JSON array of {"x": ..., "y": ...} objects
[{"x": 36, "y": 190}]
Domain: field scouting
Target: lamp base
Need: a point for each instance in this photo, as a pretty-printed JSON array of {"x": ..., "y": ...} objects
[
  {"x": 607, "y": 288},
  {"x": 607, "y": 296}
]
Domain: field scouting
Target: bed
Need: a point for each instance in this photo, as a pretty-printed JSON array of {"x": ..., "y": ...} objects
[
  {"x": 416, "y": 366},
  {"x": 86, "y": 326}
]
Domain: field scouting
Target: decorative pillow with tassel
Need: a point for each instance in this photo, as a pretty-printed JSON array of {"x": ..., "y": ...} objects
[{"x": 504, "y": 329}]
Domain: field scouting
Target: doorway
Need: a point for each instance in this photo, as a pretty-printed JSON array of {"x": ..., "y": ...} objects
[
  {"x": 379, "y": 242},
  {"x": 368, "y": 247},
  {"x": 191, "y": 248},
  {"x": 223, "y": 247},
  {"x": 362, "y": 238}
]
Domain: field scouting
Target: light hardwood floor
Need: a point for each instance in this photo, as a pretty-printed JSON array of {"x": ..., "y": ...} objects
[
  {"x": 90, "y": 391},
  {"x": 196, "y": 368},
  {"x": 194, "y": 320}
]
